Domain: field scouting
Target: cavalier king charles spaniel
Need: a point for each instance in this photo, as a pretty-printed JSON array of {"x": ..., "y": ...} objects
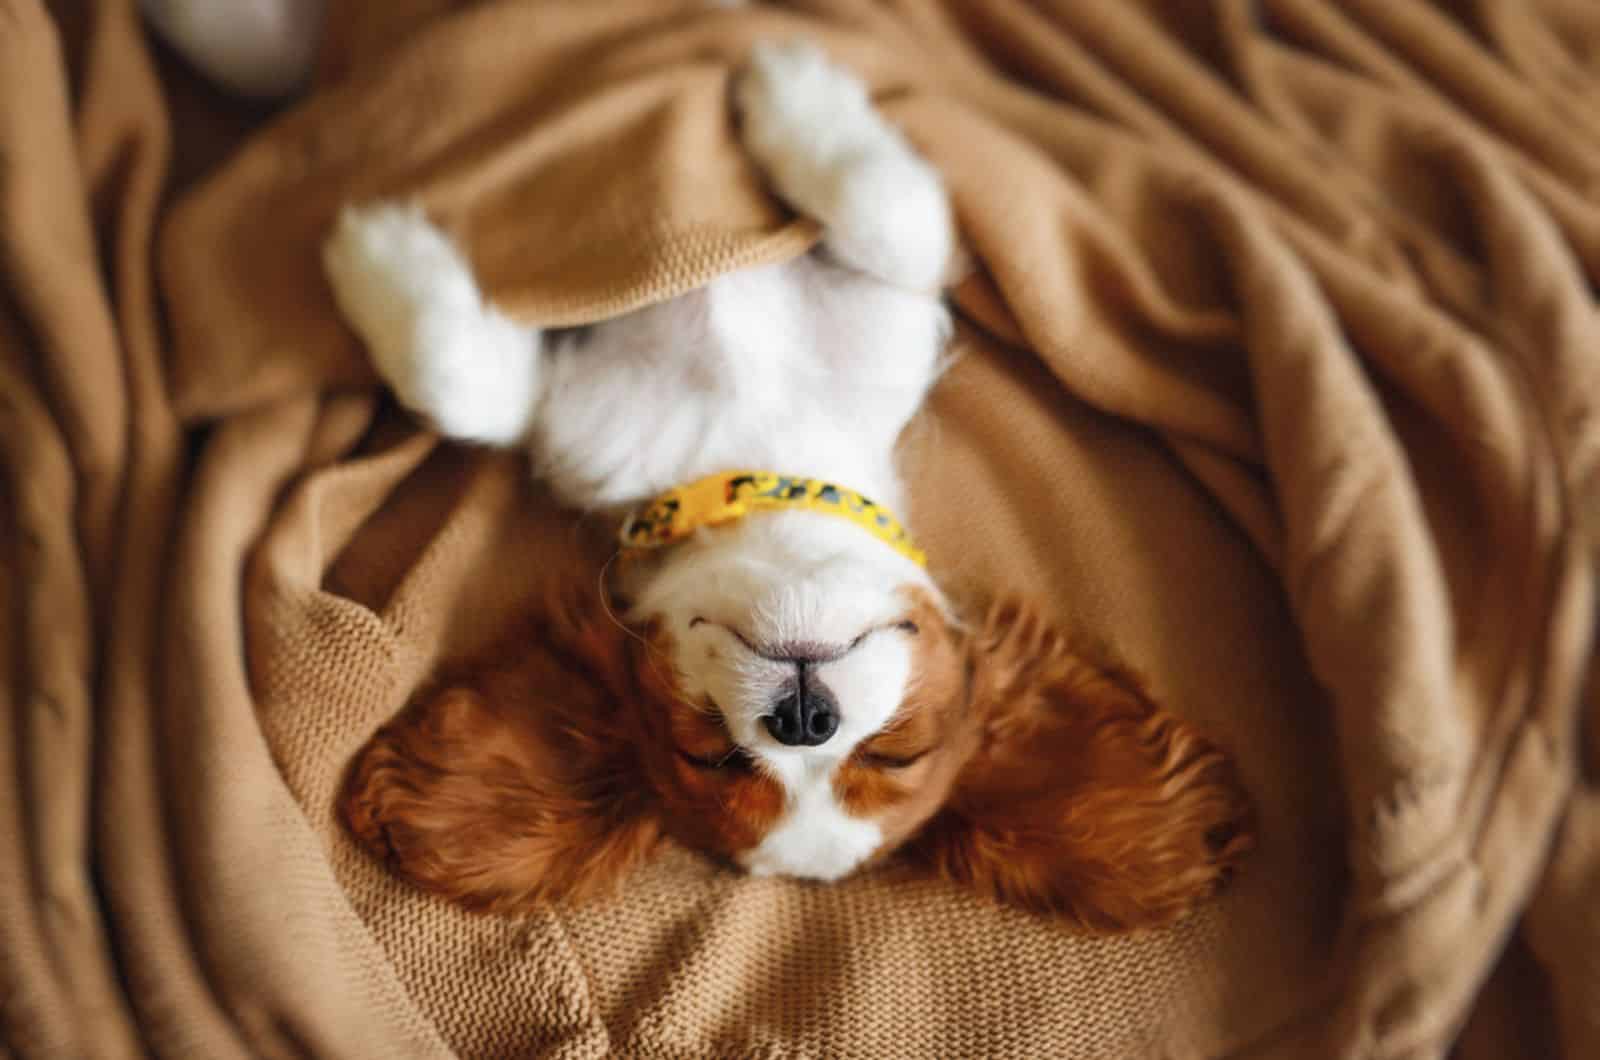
[{"x": 787, "y": 690}]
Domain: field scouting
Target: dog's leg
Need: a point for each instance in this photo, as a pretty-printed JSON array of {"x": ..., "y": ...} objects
[
  {"x": 448, "y": 354},
  {"x": 813, "y": 129}
]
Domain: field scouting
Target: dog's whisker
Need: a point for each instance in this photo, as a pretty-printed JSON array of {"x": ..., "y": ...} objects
[
  {"x": 605, "y": 602},
  {"x": 654, "y": 653}
]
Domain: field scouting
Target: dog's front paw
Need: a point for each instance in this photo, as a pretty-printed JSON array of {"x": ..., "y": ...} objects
[
  {"x": 791, "y": 90},
  {"x": 812, "y": 127},
  {"x": 410, "y": 294},
  {"x": 387, "y": 264}
]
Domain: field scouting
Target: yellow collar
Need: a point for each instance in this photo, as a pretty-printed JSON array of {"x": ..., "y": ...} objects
[{"x": 722, "y": 498}]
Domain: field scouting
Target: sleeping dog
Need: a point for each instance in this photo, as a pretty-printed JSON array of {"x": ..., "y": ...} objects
[
  {"x": 798, "y": 697},
  {"x": 785, "y": 687}
]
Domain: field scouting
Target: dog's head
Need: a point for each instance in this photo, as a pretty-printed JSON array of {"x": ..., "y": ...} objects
[
  {"x": 801, "y": 704},
  {"x": 810, "y": 675}
]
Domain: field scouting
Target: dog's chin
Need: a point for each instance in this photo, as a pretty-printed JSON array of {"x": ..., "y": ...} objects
[{"x": 824, "y": 847}]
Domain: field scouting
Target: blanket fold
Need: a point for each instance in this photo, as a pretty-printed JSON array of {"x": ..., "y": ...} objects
[{"x": 1276, "y": 369}]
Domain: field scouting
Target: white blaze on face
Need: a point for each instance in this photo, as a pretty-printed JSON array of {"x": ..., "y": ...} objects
[{"x": 815, "y": 838}]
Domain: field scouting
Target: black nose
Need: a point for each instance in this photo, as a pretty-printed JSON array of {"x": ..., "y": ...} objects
[{"x": 805, "y": 715}]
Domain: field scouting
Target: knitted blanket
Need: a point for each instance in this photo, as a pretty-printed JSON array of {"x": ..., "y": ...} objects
[{"x": 1276, "y": 369}]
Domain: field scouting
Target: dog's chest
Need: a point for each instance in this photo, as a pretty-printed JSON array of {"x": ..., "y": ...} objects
[
  {"x": 773, "y": 335},
  {"x": 802, "y": 366}
]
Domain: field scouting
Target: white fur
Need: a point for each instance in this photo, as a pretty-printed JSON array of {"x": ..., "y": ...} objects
[
  {"x": 262, "y": 48},
  {"x": 811, "y": 367},
  {"x": 834, "y": 158},
  {"x": 815, "y": 838},
  {"x": 447, "y": 354}
]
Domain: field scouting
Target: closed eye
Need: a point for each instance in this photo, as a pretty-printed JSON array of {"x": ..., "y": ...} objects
[
  {"x": 883, "y": 761},
  {"x": 806, "y": 652},
  {"x": 732, "y": 758}
]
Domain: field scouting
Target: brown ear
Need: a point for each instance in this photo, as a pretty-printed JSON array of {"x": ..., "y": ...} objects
[
  {"x": 1084, "y": 799},
  {"x": 513, "y": 787}
]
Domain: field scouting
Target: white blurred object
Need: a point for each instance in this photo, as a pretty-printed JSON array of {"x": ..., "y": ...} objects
[{"x": 258, "y": 48}]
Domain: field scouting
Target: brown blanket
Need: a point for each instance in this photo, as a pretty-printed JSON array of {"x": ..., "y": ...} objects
[{"x": 1278, "y": 370}]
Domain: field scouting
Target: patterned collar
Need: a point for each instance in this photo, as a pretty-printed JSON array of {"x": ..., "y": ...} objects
[{"x": 730, "y": 495}]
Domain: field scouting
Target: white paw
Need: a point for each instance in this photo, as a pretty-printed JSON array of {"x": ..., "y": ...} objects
[
  {"x": 411, "y": 295},
  {"x": 260, "y": 48},
  {"x": 791, "y": 91},
  {"x": 891, "y": 219},
  {"x": 812, "y": 127},
  {"x": 386, "y": 259},
  {"x": 389, "y": 266}
]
